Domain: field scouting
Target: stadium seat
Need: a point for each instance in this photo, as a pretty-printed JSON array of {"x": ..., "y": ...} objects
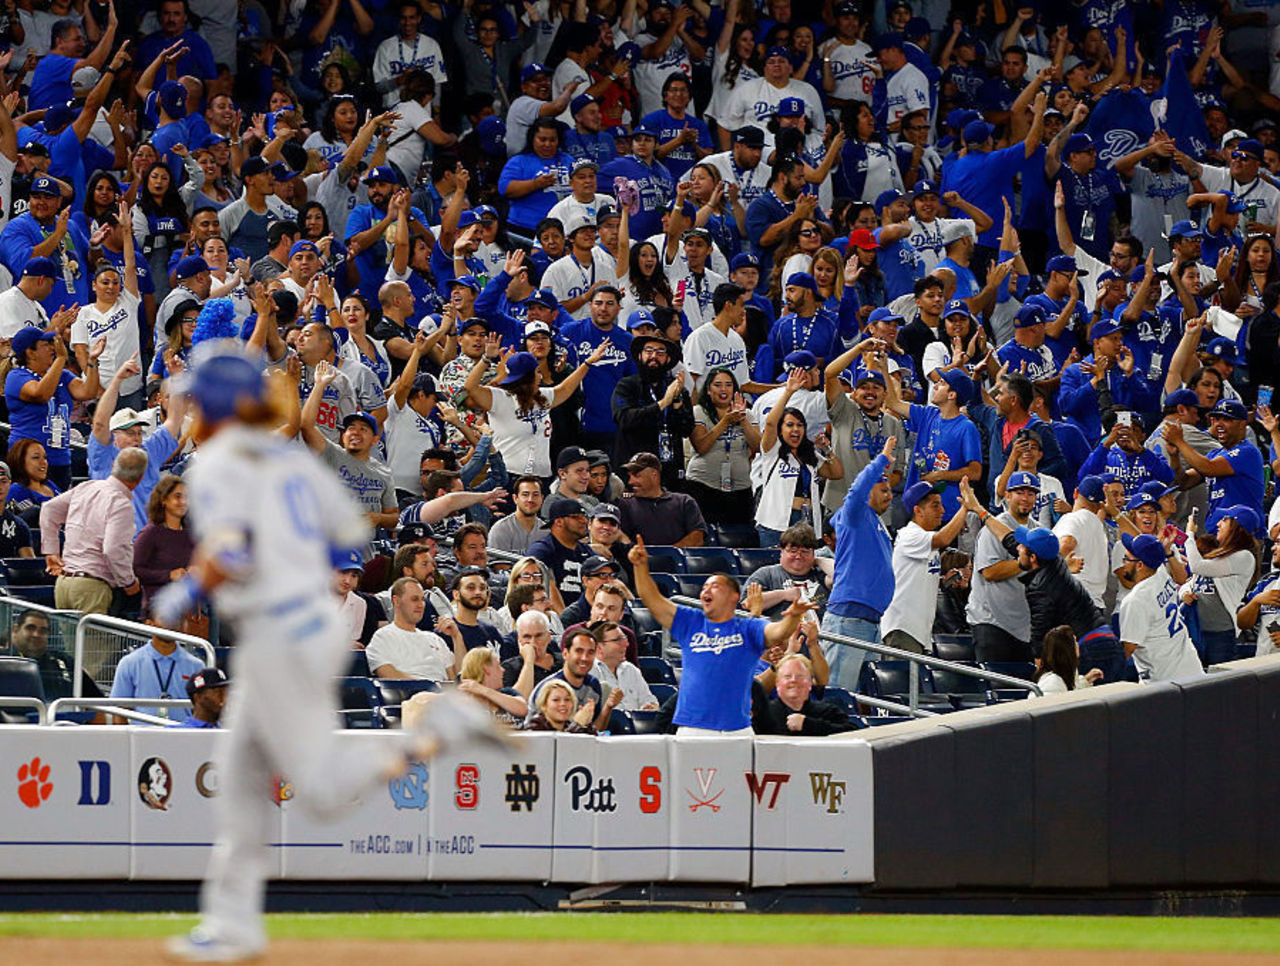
[
  {"x": 26, "y": 572},
  {"x": 733, "y": 535},
  {"x": 876, "y": 720},
  {"x": 661, "y": 691},
  {"x": 646, "y": 623},
  {"x": 359, "y": 666},
  {"x": 954, "y": 647},
  {"x": 395, "y": 692},
  {"x": 667, "y": 584},
  {"x": 1246, "y": 650},
  {"x": 20, "y": 678},
  {"x": 710, "y": 560},
  {"x": 962, "y": 690},
  {"x": 644, "y": 722},
  {"x": 222, "y": 658},
  {"x": 691, "y": 586},
  {"x": 361, "y": 703},
  {"x": 651, "y": 643},
  {"x": 620, "y": 723},
  {"x": 657, "y": 670},
  {"x": 751, "y": 559},
  {"x": 666, "y": 560},
  {"x": 890, "y": 680},
  {"x": 35, "y": 594},
  {"x": 843, "y": 699},
  {"x": 1015, "y": 669}
]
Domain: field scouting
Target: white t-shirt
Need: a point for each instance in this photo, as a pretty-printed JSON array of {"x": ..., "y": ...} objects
[
  {"x": 1091, "y": 547},
  {"x": 568, "y": 279},
  {"x": 698, "y": 308},
  {"x": 395, "y": 55},
  {"x": 568, "y": 71},
  {"x": 707, "y": 348},
  {"x": 120, "y": 326},
  {"x": 419, "y": 654},
  {"x": 523, "y": 439},
  {"x": 18, "y": 311},
  {"x": 408, "y": 435},
  {"x": 1256, "y": 193},
  {"x": 1150, "y": 619},
  {"x": 811, "y": 402},
  {"x": 651, "y": 74},
  {"x": 406, "y": 147},
  {"x": 570, "y": 208},
  {"x": 754, "y": 102},
  {"x": 917, "y": 570}
]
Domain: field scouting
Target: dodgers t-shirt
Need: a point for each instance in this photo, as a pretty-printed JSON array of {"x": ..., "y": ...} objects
[
  {"x": 719, "y": 661},
  {"x": 1244, "y": 486}
]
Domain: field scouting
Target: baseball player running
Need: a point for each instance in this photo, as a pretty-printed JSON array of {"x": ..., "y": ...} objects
[{"x": 268, "y": 515}]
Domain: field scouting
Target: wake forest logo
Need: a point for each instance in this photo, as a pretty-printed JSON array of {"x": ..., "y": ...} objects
[
  {"x": 826, "y": 792},
  {"x": 155, "y": 784},
  {"x": 523, "y": 787}
]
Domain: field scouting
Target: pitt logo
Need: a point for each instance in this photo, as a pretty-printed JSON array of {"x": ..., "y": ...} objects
[{"x": 827, "y": 792}]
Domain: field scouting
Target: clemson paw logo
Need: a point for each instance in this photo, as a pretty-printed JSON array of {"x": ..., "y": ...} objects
[{"x": 34, "y": 787}]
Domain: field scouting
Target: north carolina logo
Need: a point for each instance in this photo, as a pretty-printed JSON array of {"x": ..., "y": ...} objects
[{"x": 410, "y": 789}]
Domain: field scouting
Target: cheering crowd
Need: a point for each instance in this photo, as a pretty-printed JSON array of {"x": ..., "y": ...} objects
[{"x": 969, "y": 311}]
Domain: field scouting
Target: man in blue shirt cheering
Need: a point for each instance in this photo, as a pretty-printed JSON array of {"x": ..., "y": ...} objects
[{"x": 719, "y": 650}]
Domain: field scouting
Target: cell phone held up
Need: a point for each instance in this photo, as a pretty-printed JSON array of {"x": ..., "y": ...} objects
[{"x": 1264, "y": 396}]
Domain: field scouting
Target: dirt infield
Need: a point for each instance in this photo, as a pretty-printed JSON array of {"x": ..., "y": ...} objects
[{"x": 48, "y": 951}]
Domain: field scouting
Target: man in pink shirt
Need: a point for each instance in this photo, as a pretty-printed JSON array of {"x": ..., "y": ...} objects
[{"x": 97, "y": 555}]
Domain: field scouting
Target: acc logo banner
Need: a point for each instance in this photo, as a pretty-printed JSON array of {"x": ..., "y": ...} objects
[
  {"x": 91, "y": 792},
  {"x": 759, "y": 786},
  {"x": 826, "y": 792},
  {"x": 703, "y": 798},
  {"x": 586, "y": 794},
  {"x": 155, "y": 784},
  {"x": 523, "y": 787},
  {"x": 467, "y": 779},
  {"x": 410, "y": 789}
]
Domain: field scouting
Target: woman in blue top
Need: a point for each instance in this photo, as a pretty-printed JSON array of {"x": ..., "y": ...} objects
[
  {"x": 159, "y": 223},
  {"x": 719, "y": 209},
  {"x": 536, "y": 178},
  {"x": 40, "y": 393},
  {"x": 313, "y": 220},
  {"x": 101, "y": 197},
  {"x": 29, "y": 469},
  {"x": 178, "y": 330}
]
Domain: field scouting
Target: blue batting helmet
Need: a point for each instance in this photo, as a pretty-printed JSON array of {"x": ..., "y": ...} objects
[{"x": 223, "y": 381}]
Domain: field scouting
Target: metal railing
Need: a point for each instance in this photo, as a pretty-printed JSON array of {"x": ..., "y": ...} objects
[
  {"x": 915, "y": 660},
  {"x": 121, "y": 708},
  {"x": 133, "y": 629},
  {"x": 33, "y": 704}
]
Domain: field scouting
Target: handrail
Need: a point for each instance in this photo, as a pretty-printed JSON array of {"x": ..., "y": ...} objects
[
  {"x": 39, "y": 608},
  {"x": 915, "y": 659},
  {"x": 25, "y": 702},
  {"x": 122, "y": 708},
  {"x": 146, "y": 631},
  {"x": 71, "y": 443}
]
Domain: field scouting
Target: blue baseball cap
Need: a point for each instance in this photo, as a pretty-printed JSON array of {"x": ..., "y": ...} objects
[
  {"x": 1141, "y": 498},
  {"x": 1065, "y": 263},
  {"x": 466, "y": 281},
  {"x": 918, "y": 491},
  {"x": 800, "y": 359},
  {"x": 1104, "y": 328},
  {"x": 1223, "y": 348},
  {"x": 1182, "y": 397},
  {"x": 59, "y": 116},
  {"x": 976, "y": 132},
  {"x": 1039, "y": 541},
  {"x": 362, "y": 417},
  {"x": 254, "y": 166},
  {"x": 802, "y": 280},
  {"x": 958, "y": 118},
  {"x": 886, "y": 198},
  {"x": 618, "y": 131},
  {"x": 641, "y": 317},
  {"x": 1147, "y": 549},
  {"x": 190, "y": 266},
  {"x": 1023, "y": 481},
  {"x": 519, "y": 366},
  {"x": 42, "y": 184},
  {"x": 173, "y": 99},
  {"x": 1251, "y": 147},
  {"x": 750, "y": 135},
  {"x": 212, "y": 139},
  {"x": 883, "y": 314},
  {"x": 744, "y": 260},
  {"x": 581, "y": 101},
  {"x": 40, "y": 267},
  {"x": 531, "y": 71},
  {"x": 1030, "y": 315},
  {"x": 492, "y": 134},
  {"x": 544, "y": 297},
  {"x": 26, "y": 337},
  {"x": 1234, "y": 204},
  {"x": 468, "y": 218},
  {"x": 282, "y": 172},
  {"x": 924, "y": 187},
  {"x": 917, "y": 27},
  {"x": 861, "y": 374},
  {"x": 350, "y": 560},
  {"x": 1090, "y": 487},
  {"x": 382, "y": 173},
  {"x": 889, "y": 39},
  {"x": 630, "y": 52},
  {"x": 1185, "y": 229},
  {"x": 960, "y": 384},
  {"x": 1157, "y": 489},
  {"x": 1078, "y": 143},
  {"x": 1246, "y": 516},
  {"x": 776, "y": 51},
  {"x": 1229, "y": 409},
  {"x": 1111, "y": 275},
  {"x": 789, "y": 107},
  {"x": 304, "y": 246},
  {"x": 957, "y": 307},
  {"x": 645, "y": 129}
]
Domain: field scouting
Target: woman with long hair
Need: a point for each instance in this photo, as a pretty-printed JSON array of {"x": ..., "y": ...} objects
[
  {"x": 207, "y": 184},
  {"x": 645, "y": 285},
  {"x": 144, "y": 156},
  {"x": 554, "y": 368},
  {"x": 179, "y": 331},
  {"x": 339, "y": 122},
  {"x": 102, "y": 196},
  {"x": 411, "y": 261},
  {"x": 314, "y": 226},
  {"x": 719, "y": 209},
  {"x": 112, "y": 315},
  {"x": 735, "y": 62},
  {"x": 1219, "y": 579},
  {"x": 724, "y": 442},
  {"x": 865, "y": 167},
  {"x": 794, "y": 254},
  {"x": 520, "y": 409},
  {"x": 870, "y": 286},
  {"x": 828, "y": 272},
  {"x": 159, "y": 224},
  {"x": 229, "y": 281},
  {"x": 531, "y": 571},
  {"x": 790, "y": 466},
  {"x": 1255, "y": 268},
  {"x": 353, "y": 315},
  {"x": 1057, "y": 667},
  {"x": 162, "y": 551},
  {"x": 964, "y": 342},
  {"x": 31, "y": 486},
  {"x": 536, "y": 178}
]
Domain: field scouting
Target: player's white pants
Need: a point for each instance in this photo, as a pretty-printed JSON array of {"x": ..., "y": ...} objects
[{"x": 281, "y": 719}]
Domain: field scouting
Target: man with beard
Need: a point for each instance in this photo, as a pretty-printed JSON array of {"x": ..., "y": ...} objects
[
  {"x": 655, "y": 514},
  {"x": 772, "y": 215},
  {"x": 740, "y": 166},
  {"x": 652, "y": 409},
  {"x": 806, "y": 326},
  {"x": 369, "y": 222},
  {"x": 470, "y": 590},
  {"x": 860, "y": 424},
  {"x": 583, "y": 336},
  {"x": 564, "y": 549}
]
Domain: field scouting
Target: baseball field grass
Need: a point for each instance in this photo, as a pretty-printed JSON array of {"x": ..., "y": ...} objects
[{"x": 1146, "y": 934}]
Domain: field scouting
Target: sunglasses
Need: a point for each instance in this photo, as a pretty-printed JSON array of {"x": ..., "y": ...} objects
[
  {"x": 1242, "y": 156},
  {"x": 808, "y": 232}
]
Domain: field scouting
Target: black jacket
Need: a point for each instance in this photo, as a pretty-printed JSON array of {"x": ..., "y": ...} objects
[
  {"x": 1054, "y": 597},
  {"x": 639, "y": 419},
  {"x": 820, "y": 718}
]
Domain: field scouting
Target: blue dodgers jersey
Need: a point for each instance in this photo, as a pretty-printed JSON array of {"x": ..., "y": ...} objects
[
  {"x": 583, "y": 337},
  {"x": 719, "y": 661},
  {"x": 1244, "y": 486}
]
